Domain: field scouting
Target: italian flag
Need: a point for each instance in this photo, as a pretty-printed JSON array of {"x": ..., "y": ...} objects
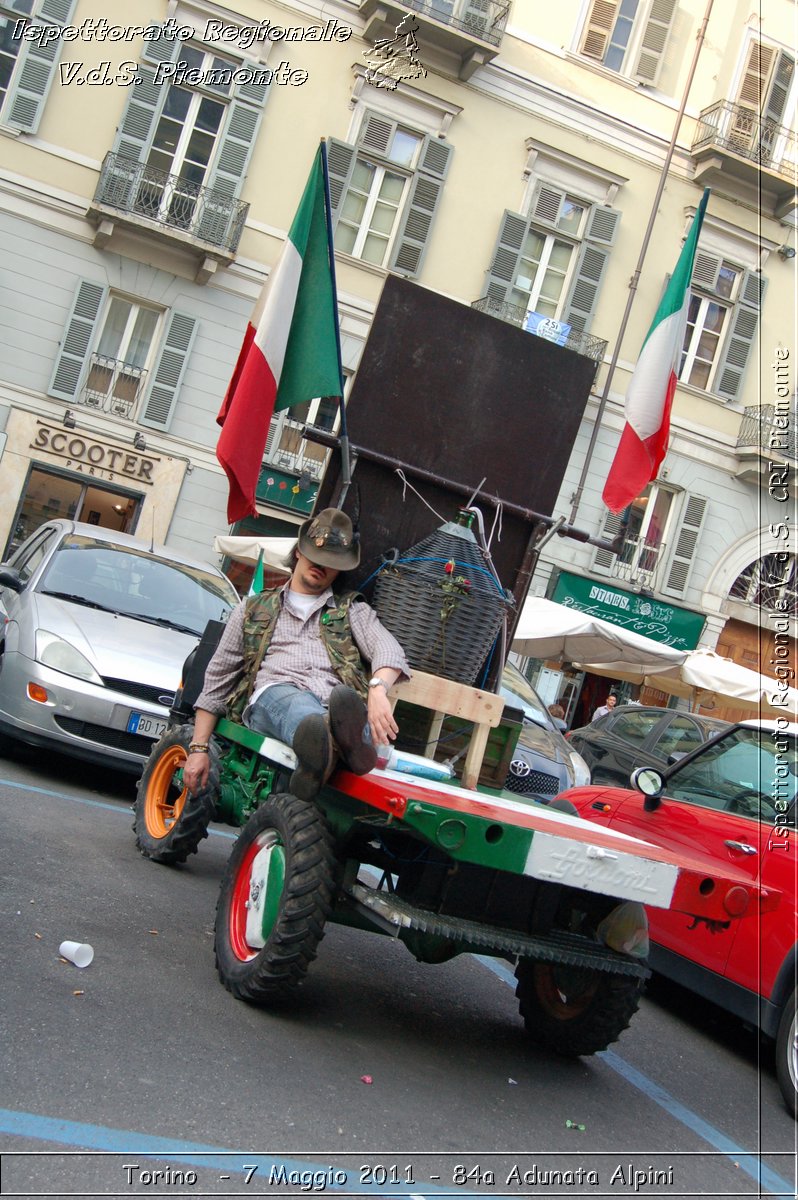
[
  {"x": 290, "y": 352},
  {"x": 649, "y": 397}
]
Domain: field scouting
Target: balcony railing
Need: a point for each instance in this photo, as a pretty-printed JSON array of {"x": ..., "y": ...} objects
[
  {"x": 637, "y": 563},
  {"x": 112, "y": 386},
  {"x": 514, "y": 314},
  {"x": 774, "y": 433},
  {"x": 205, "y": 214},
  {"x": 483, "y": 19},
  {"x": 743, "y": 132}
]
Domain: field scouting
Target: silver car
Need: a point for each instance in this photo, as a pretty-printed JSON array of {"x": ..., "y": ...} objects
[{"x": 95, "y": 628}]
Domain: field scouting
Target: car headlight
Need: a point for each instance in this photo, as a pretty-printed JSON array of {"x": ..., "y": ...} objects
[
  {"x": 581, "y": 770},
  {"x": 53, "y": 651}
]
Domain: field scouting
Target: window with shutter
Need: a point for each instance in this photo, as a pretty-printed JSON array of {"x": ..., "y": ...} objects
[
  {"x": 681, "y": 561},
  {"x": 645, "y": 526},
  {"x": 722, "y": 319},
  {"x": 110, "y": 358},
  {"x": 194, "y": 137},
  {"x": 628, "y": 36},
  {"x": 385, "y": 191},
  {"x": 27, "y": 68},
  {"x": 552, "y": 262}
]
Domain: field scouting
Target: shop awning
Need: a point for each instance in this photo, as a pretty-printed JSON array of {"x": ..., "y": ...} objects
[{"x": 554, "y": 631}]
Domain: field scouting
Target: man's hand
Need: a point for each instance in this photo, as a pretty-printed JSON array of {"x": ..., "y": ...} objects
[
  {"x": 196, "y": 771},
  {"x": 381, "y": 720},
  {"x": 198, "y": 764}
]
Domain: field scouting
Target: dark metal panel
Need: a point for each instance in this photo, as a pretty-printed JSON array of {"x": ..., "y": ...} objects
[{"x": 462, "y": 396}]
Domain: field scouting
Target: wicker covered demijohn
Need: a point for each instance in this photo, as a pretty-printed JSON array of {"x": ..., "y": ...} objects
[{"x": 442, "y": 602}]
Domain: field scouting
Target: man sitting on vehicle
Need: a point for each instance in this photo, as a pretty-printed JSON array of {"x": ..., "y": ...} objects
[{"x": 291, "y": 663}]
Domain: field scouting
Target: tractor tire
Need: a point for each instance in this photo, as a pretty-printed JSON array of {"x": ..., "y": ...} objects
[
  {"x": 276, "y": 894},
  {"x": 169, "y": 823},
  {"x": 574, "y": 1010},
  {"x": 787, "y": 1055}
]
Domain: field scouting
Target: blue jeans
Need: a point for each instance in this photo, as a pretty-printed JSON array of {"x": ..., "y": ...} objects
[{"x": 279, "y": 709}]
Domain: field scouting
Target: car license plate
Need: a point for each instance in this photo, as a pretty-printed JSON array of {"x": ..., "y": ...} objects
[{"x": 151, "y": 727}]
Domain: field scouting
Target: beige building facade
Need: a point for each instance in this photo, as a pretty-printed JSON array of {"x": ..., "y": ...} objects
[{"x": 150, "y": 165}]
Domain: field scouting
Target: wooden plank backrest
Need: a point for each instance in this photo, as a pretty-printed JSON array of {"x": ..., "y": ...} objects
[
  {"x": 454, "y": 699},
  {"x": 447, "y": 696}
]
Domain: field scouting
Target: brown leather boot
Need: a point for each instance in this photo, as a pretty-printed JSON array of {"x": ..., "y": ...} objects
[
  {"x": 315, "y": 753},
  {"x": 348, "y": 721}
]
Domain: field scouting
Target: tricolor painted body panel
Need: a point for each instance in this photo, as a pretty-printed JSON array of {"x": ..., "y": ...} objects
[{"x": 500, "y": 834}]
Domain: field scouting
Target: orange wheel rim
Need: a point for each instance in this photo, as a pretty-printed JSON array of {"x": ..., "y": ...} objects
[{"x": 166, "y": 797}]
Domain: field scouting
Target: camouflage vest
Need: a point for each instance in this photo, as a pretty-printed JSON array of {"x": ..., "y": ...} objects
[{"x": 260, "y": 618}]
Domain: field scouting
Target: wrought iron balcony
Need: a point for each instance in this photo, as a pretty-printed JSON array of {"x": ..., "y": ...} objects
[
  {"x": 470, "y": 29},
  {"x": 112, "y": 386},
  {"x": 736, "y": 141},
  {"x": 768, "y": 438},
  {"x": 483, "y": 19},
  {"x": 582, "y": 343},
  {"x": 637, "y": 563},
  {"x": 204, "y": 216}
]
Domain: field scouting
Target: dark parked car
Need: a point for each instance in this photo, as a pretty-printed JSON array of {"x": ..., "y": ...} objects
[
  {"x": 544, "y": 763},
  {"x": 636, "y": 736}
]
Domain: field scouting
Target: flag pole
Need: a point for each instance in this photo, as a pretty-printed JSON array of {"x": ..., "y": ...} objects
[
  {"x": 633, "y": 282},
  {"x": 346, "y": 470}
]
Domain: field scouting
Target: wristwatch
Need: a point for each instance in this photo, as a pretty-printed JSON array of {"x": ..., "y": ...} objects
[{"x": 375, "y": 681}]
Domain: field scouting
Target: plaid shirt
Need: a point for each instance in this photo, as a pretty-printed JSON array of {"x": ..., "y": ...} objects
[{"x": 296, "y": 653}]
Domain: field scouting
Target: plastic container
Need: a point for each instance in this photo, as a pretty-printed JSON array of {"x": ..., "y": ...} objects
[{"x": 391, "y": 759}]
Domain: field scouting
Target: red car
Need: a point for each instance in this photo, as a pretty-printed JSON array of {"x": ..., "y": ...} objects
[{"x": 732, "y": 802}]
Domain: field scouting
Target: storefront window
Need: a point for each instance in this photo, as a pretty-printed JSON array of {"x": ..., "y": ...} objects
[{"x": 50, "y": 495}]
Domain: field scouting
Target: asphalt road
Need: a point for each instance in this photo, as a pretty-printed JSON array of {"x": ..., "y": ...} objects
[{"x": 107, "y": 1071}]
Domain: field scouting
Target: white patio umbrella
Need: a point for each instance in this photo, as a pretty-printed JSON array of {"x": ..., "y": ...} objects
[
  {"x": 706, "y": 678},
  {"x": 249, "y": 549},
  {"x": 549, "y": 630}
]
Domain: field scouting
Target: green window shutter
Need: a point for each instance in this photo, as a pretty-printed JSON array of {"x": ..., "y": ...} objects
[
  {"x": 504, "y": 263},
  {"x": 779, "y": 88},
  {"x": 706, "y": 269},
  {"x": 235, "y": 146},
  {"x": 412, "y": 238},
  {"x": 684, "y": 551},
  {"x": 583, "y": 293},
  {"x": 72, "y": 358},
  {"x": 25, "y": 102},
  {"x": 603, "y": 560},
  {"x": 167, "y": 374},
  {"x": 602, "y": 225},
  {"x": 546, "y": 204},
  {"x": 376, "y": 133},
  {"x": 340, "y": 165},
  {"x": 228, "y": 173},
  {"x": 598, "y": 28},
  {"x": 145, "y": 101},
  {"x": 737, "y": 348},
  {"x": 654, "y": 40}
]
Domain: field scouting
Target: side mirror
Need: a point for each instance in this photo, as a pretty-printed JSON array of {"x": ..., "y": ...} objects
[
  {"x": 9, "y": 578},
  {"x": 648, "y": 781}
]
